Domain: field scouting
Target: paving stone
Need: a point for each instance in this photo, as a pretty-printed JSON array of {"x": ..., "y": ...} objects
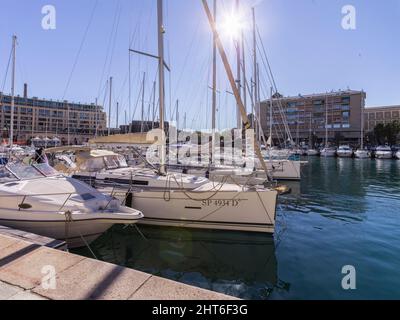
[
  {"x": 26, "y": 295},
  {"x": 7, "y": 291},
  {"x": 91, "y": 279},
  {"x": 157, "y": 288},
  {"x": 26, "y": 272}
]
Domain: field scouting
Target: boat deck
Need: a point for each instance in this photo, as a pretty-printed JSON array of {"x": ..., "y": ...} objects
[{"x": 25, "y": 270}]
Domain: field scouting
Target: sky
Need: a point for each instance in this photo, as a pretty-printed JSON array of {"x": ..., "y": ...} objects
[{"x": 308, "y": 49}]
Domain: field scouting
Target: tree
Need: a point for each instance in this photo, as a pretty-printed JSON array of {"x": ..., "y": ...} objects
[{"x": 387, "y": 133}]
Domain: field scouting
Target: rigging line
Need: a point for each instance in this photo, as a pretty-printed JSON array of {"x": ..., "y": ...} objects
[
  {"x": 187, "y": 58},
  {"x": 7, "y": 69},
  {"x": 114, "y": 41},
  {"x": 108, "y": 50},
  {"x": 80, "y": 48},
  {"x": 280, "y": 107}
]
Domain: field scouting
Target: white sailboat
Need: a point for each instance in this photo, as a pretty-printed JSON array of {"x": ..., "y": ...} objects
[
  {"x": 172, "y": 199},
  {"x": 38, "y": 199},
  {"x": 175, "y": 199},
  {"x": 362, "y": 153}
]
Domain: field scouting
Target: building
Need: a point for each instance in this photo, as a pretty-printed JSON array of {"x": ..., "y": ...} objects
[
  {"x": 40, "y": 118},
  {"x": 308, "y": 117},
  {"x": 384, "y": 115},
  {"x": 142, "y": 126}
]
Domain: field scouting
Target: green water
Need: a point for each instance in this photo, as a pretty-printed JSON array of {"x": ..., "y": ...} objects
[{"x": 344, "y": 212}]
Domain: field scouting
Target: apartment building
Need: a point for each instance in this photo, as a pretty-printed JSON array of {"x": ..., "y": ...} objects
[
  {"x": 41, "y": 118},
  {"x": 376, "y": 115},
  {"x": 337, "y": 113}
]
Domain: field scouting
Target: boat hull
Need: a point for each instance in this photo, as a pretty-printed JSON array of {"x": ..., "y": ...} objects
[
  {"x": 76, "y": 234},
  {"x": 362, "y": 154},
  {"x": 252, "y": 211},
  {"x": 345, "y": 154},
  {"x": 383, "y": 155}
]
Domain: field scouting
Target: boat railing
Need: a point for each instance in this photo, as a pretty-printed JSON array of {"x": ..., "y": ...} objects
[{"x": 24, "y": 206}]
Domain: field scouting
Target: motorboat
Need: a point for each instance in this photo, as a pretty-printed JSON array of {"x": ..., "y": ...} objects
[
  {"x": 344, "y": 152},
  {"x": 398, "y": 155},
  {"x": 383, "y": 152},
  {"x": 40, "y": 200},
  {"x": 312, "y": 152},
  {"x": 177, "y": 199},
  {"x": 328, "y": 152},
  {"x": 362, "y": 154}
]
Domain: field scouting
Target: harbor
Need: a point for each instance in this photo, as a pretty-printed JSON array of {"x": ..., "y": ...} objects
[{"x": 196, "y": 171}]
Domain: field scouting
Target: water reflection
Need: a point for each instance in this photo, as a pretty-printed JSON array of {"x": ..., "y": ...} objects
[{"x": 235, "y": 263}]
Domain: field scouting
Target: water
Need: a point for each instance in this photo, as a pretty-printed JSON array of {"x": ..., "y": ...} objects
[{"x": 344, "y": 212}]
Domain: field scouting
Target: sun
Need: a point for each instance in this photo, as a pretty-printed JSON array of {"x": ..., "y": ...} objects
[{"x": 232, "y": 25}]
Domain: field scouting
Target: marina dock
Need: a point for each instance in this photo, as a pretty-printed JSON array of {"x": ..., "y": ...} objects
[{"x": 27, "y": 259}]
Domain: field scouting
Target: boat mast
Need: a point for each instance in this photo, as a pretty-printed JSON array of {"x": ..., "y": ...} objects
[
  {"x": 161, "y": 32},
  {"x": 214, "y": 87},
  {"x": 14, "y": 46},
  {"x": 326, "y": 121},
  {"x": 109, "y": 108},
  {"x": 271, "y": 106},
  {"x": 231, "y": 79},
  {"x": 142, "y": 113},
  {"x": 362, "y": 120},
  {"x": 239, "y": 72},
  {"x": 255, "y": 76},
  {"x": 117, "y": 122}
]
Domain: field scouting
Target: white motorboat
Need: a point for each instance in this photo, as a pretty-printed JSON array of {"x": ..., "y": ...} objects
[
  {"x": 312, "y": 152},
  {"x": 398, "y": 155},
  {"x": 362, "y": 154},
  {"x": 177, "y": 199},
  {"x": 344, "y": 152},
  {"x": 328, "y": 152},
  {"x": 383, "y": 152},
  {"x": 38, "y": 199}
]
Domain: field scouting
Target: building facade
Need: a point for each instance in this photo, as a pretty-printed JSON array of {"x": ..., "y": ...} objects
[
  {"x": 377, "y": 115},
  {"x": 39, "y": 118},
  {"x": 309, "y": 117}
]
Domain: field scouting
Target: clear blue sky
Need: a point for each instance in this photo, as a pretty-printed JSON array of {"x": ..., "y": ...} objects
[{"x": 308, "y": 50}]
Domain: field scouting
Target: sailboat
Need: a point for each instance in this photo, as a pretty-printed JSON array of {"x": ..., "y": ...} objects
[
  {"x": 327, "y": 151},
  {"x": 176, "y": 199},
  {"x": 361, "y": 153}
]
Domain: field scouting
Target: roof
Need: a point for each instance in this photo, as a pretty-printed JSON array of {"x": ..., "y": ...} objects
[
  {"x": 128, "y": 139},
  {"x": 319, "y": 95}
]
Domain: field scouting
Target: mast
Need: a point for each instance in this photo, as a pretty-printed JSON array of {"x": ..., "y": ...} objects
[
  {"x": 177, "y": 115},
  {"x": 244, "y": 72},
  {"x": 117, "y": 122},
  {"x": 214, "y": 87},
  {"x": 161, "y": 32},
  {"x": 362, "y": 120},
  {"x": 326, "y": 121},
  {"x": 238, "y": 76},
  {"x": 154, "y": 105},
  {"x": 142, "y": 113},
  {"x": 255, "y": 75},
  {"x": 231, "y": 79},
  {"x": 96, "y": 119},
  {"x": 270, "y": 117},
  {"x": 14, "y": 46},
  {"x": 109, "y": 107}
]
